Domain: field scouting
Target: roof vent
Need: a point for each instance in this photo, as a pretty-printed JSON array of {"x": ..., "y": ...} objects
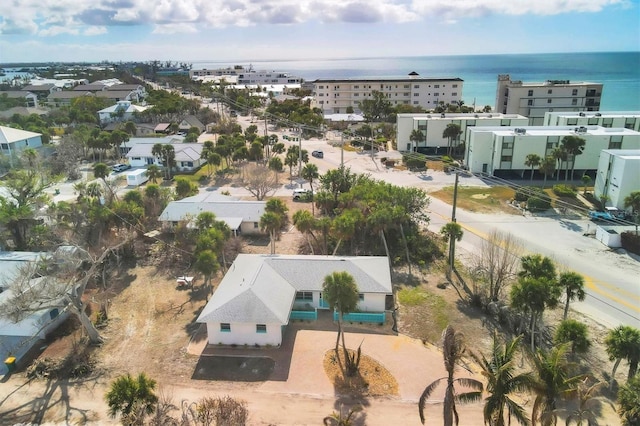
[
  {"x": 581, "y": 114},
  {"x": 598, "y": 114},
  {"x": 442, "y": 115}
]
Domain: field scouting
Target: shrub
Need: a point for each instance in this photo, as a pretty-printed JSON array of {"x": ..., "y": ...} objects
[
  {"x": 574, "y": 332},
  {"x": 414, "y": 163},
  {"x": 562, "y": 190},
  {"x": 630, "y": 241},
  {"x": 522, "y": 194},
  {"x": 538, "y": 204}
]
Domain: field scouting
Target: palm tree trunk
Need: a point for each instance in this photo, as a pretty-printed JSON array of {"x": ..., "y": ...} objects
[
  {"x": 337, "y": 246},
  {"x": 566, "y": 308},
  {"x": 406, "y": 248},
  {"x": 613, "y": 372}
]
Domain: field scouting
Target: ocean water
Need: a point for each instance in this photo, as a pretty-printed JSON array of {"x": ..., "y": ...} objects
[{"x": 618, "y": 71}]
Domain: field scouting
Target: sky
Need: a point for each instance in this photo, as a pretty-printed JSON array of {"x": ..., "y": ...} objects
[{"x": 228, "y": 30}]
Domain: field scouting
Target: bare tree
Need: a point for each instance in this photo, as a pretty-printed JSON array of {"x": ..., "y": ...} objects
[
  {"x": 259, "y": 180},
  {"x": 56, "y": 282},
  {"x": 497, "y": 264}
]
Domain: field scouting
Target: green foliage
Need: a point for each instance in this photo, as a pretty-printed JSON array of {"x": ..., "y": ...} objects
[
  {"x": 185, "y": 188},
  {"x": 132, "y": 398},
  {"x": 623, "y": 342},
  {"x": 562, "y": 190},
  {"x": 222, "y": 411},
  {"x": 411, "y": 296},
  {"x": 538, "y": 203},
  {"x": 574, "y": 333},
  {"x": 414, "y": 163},
  {"x": 340, "y": 291},
  {"x": 377, "y": 108},
  {"x": 629, "y": 402}
]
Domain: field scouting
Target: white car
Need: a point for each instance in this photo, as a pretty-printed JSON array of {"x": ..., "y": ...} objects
[
  {"x": 120, "y": 168},
  {"x": 300, "y": 194}
]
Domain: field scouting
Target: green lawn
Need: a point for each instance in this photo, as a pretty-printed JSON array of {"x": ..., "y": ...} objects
[{"x": 482, "y": 200}]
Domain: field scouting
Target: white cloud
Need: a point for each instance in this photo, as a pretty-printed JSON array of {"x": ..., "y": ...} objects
[
  {"x": 93, "y": 31},
  {"x": 24, "y": 16},
  {"x": 174, "y": 29},
  {"x": 54, "y": 30}
]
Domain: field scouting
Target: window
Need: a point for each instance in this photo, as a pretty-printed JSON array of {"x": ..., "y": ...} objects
[
  {"x": 615, "y": 142},
  {"x": 436, "y": 86},
  {"x": 406, "y": 94},
  {"x": 607, "y": 122},
  {"x": 256, "y": 225},
  {"x": 416, "y": 102},
  {"x": 572, "y": 121},
  {"x": 416, "y": 94},
  {"x": 356, "y": 87},
  {"x": 361, "y": 296},
  {"x": 225, "y": 327},
  {"x": 261, "y": 328},
  {"x": 593, "y": 121},
  {"x": 549, "y": 100},
  {"x": 506, "y": 158},
  {"x": 630, "y": 123},
  {"x": 320, "y": 87},
  {"x": 530, "y": 102},
  {"x": 416, "y": 86},
  {"x": 506, "y": 122},
  {"x": 304, "y": 295},
  {"x": 530, "y": 93},
  {"x": 507, "y": 145},
  {"x": 454, "y": 94},
  {"x": 574, "y": 92},
  {"x": 454, "y": 86},
  {"x": 356, "y": 94},
  {"x": 406, "y": 86},
  {"x": 574, "y": 101},
  {"x": 436, "y": 94}
]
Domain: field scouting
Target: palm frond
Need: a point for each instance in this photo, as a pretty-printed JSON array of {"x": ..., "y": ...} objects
[{"x": 425, "y": 395}]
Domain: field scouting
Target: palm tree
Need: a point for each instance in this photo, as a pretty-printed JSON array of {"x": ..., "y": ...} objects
[
  {"x": 533, "y": 161},
  {"x": 207, "y": 265},
  {"x": 275, "y": 164},
  {"x": 131, "y": 398},
  {"x": 451, "y": 132},
  {"x": 305, "y": 223},
  {"x": 503, "y": 382},
  {"x": 623, "y": 342},
  {"x": 586, "y": 180},
  {"x": 452, "y": 231},
  {"x": 573, "y": 285},
  {"x": 416, "y": 137},
  {"x": 452, "y": 352},
  {"x": 537, "y": 266},
  {"x": 310, "y": 173},
  {"x": 340, "y": 291},
  {"x": 560, "y": 155},
  {"x": 573, "y": 146},
  {"x": 547, "y": 168},
  {"x": 154, "y": 173},
  {"x": 213, "y": 160},
  {"x": 633, "y": 200},
  {"x": 587, "y": 410},
  {"x": 629, "y": 402},
  {"x": 271, "y": 222},
  {"x": 552, "y": 381},
  {"x": 338, "y": 418}
]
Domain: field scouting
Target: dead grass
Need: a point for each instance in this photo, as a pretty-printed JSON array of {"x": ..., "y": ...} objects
[
  {"x": 480, "y": 200},
  {"x": 373, "y": 379}
]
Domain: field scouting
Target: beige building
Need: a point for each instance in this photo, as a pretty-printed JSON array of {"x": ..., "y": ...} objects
[
  {"x": 336, "y": 96},
  {"x": 533, "y": 100},
  {"x": 610, "y": 119}
]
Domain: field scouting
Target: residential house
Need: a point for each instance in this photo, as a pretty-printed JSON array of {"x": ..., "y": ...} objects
[
  {"x": 121, "y": 111},
  {"x": 533, "y": 100},
  {"x": 12, "y": 141},
  {"x": 41, "y": 90},
  {"x": 118, "y": 95},
  {"x": 18, "y": 338},
  {"x": 93, "y": 87},
  {"x": 30, "y": 98},
  {"x": 162, "y": 128},
  {"x": 22, "y": 111},
  {"x": 433, "y": 125},
  {"x": 502, "y": 151},
  {"x": 65, "y": 97},
  {"x": 191, "y": 121},
  {"x": 254, "y": 302},
  {"x": 138, "y": 92},
  {"x": 618, "y": 175},
  {"x": 187, "y": 155},
  {"x": 335, "y": 96},
  {"x": 242, "y": 217}
]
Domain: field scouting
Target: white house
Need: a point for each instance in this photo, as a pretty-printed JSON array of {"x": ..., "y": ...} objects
[
  {"x": 610, "y": 119},
  {"x": 253, "y": 303},
  {"x": 242, "y": 217},
  {"x": 187, "y": 155},
  {"x": 12, "y": 141},
  {"x": 30, "y": 99},
  {"x": 618, "y": 175},
  {"x": 533, "y": 100},
  {"x": 433, "y": 126},
  {"x": 502, "y": 151},
  {"x": 121, "y": 111},
  {"x": 335, "y": 96},
  {"x": 17, "y": 338}
]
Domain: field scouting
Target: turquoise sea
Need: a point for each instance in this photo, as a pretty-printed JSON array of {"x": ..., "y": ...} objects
[{"x": 618, "y": 71}]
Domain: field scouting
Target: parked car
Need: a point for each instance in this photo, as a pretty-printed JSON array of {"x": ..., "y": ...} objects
[
  {"x": 301, "y": 194},
  {"x": 609, "y": 213},
  {"x": 120, "y": 167},
  {"x": 318, "y": 154}
]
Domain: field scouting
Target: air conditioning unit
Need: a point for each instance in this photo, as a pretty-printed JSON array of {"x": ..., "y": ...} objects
[
  {"x": 442, "y": 115},
  {"x": 582, "y": 114},
  {"x": 598, "y": 114}
]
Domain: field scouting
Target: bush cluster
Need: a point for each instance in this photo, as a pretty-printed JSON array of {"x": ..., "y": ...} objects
[
  {"x": 630, "y": 241},
  {"x": 562, "y": 190}
]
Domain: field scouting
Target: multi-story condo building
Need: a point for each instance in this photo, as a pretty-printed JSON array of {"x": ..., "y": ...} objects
[
  {"x": 533, "y": 100},
  {"x": 248, "y": 76},
  {"x": 433, "y": 126},
  {"x": 626, "y": 119},
  {"x": 335, "y": 96},
  {"x": 502, "y": 151},
  {"x": 618, "y": 175}
]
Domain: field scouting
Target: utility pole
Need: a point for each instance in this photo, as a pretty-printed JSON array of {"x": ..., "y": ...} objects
[
  {"x": 452, "y": 239},
  {"x": 341, "y": 149},
  {"x": 299, "y": 133}
]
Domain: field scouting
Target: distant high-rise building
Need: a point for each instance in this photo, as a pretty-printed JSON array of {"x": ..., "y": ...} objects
[{"x": 533, "y": 100}]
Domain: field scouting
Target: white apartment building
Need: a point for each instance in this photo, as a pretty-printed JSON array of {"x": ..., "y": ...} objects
[
  {"x": 533, "y": 100},
  {"x": 433, "y": 126},
  {"x": 336, "y": 96},
  {"x": 618, "y": 175},
  {"x": 610, "y": 119},
  {"x": 502, "y": 151},
  {"x": 248, "y": 76}
]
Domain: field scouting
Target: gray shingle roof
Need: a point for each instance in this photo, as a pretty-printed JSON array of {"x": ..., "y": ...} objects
[
  {"x": 261, "y": 289},
  {"x": 247, "y": 211},
  {"x": 183, "y": 151}
]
